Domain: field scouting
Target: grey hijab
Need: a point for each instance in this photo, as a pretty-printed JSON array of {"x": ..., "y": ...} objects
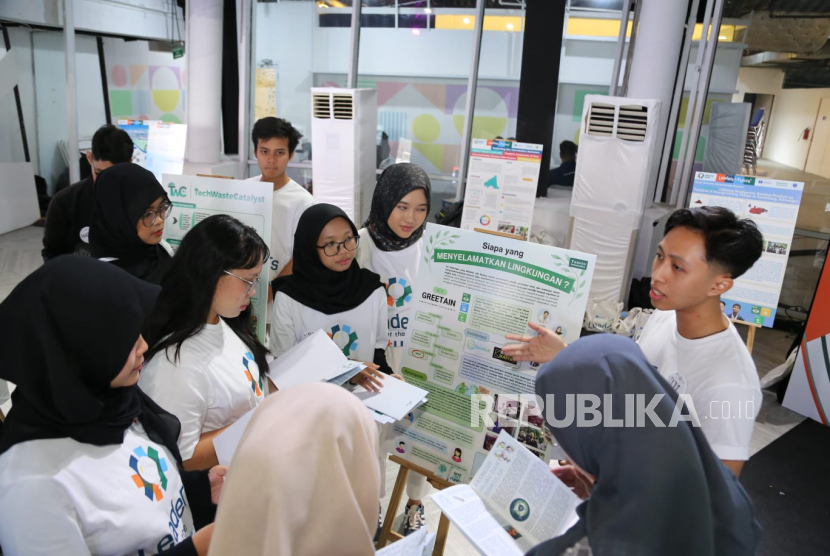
[
  {"x": 659, "y": 490},
  {"x": 395, "y": 183}
]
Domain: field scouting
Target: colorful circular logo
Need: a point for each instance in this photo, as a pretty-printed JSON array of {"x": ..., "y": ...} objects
[
  {"x": 485, "y": 220},
  {"x": 248, "y": 361},
  {"x": 149, "y": 469},
  {"x": 519, "y": 509},
  {"x": 398, "y": 292},
  {"x": 344, "y": 338}
]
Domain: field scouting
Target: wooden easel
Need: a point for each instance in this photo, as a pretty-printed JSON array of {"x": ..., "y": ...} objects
[
  {"x": 750, "y": 333},
  {"x": 395, "y": 501}
]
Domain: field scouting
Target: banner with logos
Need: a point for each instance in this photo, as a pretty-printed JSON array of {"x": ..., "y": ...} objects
[
  {"x": 773, "y": 205},
  {"x": 473, "y": 289},
  {"x": 196, "y": 198},
  {"x": 501, "y": 187}
]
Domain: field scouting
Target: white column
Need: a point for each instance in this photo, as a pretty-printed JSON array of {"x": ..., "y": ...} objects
[
  {"x": 203, "y": 48},
  {"x": 71, "y": 91},
  {"x": 654, "y": 64}
]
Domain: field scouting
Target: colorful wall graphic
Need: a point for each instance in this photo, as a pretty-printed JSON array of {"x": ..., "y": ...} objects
[
  {"x": 144, "y": 84},
  {"x": 431, "y": 115}
]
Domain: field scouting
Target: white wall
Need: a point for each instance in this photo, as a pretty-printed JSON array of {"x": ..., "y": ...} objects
[
  {"x": 150, "y": 19},
  {"x": 11, "y": 144},
  {"x": 50, "y": 96},
  {"x": 793, "y": 110}
]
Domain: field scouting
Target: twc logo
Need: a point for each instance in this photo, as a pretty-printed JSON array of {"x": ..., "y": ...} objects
[{"x": 398, "y": 292}]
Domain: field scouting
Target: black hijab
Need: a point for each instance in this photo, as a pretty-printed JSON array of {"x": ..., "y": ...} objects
[
  {"x": 659, "y": 490},
  {"x": 395, "y": 183},
  {"x": 66, "y": 332},
  {"x": 314, "y": 285},
  {"x": 123, "y": 193}
]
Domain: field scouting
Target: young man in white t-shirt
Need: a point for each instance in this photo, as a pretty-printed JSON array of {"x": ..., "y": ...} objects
[
  {"x": 689, "y": 339},
  {"x": 275, "y": 140}
]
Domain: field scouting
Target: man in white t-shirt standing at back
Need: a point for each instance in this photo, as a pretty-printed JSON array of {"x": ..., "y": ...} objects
[
  {"x": 274, "y": 142},
  {"x": 691, "y": 342}
]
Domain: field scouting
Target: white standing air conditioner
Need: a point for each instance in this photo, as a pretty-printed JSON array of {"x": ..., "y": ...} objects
[
  {"x": 617, "y": 143},
  {"x": 343, "y": 150}
]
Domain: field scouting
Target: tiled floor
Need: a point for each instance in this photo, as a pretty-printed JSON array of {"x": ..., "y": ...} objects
[{"x": 20, "y": 255}]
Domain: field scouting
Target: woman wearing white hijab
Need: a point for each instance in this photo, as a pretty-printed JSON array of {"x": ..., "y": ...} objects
[{"x": 304, "y": 480}]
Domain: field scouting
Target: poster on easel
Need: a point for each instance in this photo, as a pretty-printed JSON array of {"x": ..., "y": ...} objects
[
  {"x": 157, "y": 146},
  {"x": 195, "y": 198},
  {"x": 473, "y": 289},
  {"x": 808, "y": 392},
  {"x": 773, "y": 205},
  {"x": 501, "y": 187}
]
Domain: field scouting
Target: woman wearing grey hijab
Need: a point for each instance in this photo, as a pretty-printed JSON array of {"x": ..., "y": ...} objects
[{"x": 652, "y": 491}]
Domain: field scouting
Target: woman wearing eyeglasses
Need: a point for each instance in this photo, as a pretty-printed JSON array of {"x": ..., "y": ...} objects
[
  {"x": 130, "y": 207},
  {"x": 205, "y": 363},
  {"x": 328, "y": 290}
]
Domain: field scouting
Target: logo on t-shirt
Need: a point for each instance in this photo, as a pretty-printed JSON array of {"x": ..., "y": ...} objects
[
  {"x": 84, "y": 234},
  {"x": 344, "y": 338},
  {"x": 256, "y": 386},
  {"x": 677, "y": 382},
  {"x": 149, "y": 469},
  {"x": 398, "y": 292}
]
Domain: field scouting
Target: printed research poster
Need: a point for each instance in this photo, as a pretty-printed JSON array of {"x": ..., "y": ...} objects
[
  {"x": 195, "y": 198},
  {"x": 773, "y": 206},
  {"x": 501, "y": 187},
  {"x": 472, "y": 289}
]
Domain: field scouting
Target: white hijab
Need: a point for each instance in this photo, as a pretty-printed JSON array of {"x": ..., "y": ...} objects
[{"x": 304, "y": 480}]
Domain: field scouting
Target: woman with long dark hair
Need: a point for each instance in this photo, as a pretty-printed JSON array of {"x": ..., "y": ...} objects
[{"x": 205, "y": 363}]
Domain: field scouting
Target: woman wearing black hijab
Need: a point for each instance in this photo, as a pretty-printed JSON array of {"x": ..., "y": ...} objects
[
  {"x": 130, "y": 207},
  {"x": 328, "y": 290},
  {"x": 651, "y": 491},
  {"x": 88, "y": 463}
]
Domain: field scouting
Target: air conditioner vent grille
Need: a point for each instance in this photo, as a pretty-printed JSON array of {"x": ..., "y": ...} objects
[
  {"x": 632, "y": 123},
  {"x": 343, "y": 107},
  {"x": 601, "y": 119},
  {"x": 321, "y": 106}
]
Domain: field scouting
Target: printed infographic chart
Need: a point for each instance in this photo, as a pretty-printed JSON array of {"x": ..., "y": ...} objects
[
  {"x": 195, "y": 198},
  {"x": 501, "y": 187},
  {"x": 472, "y": 289},
  {"x": 773, "y": 206}
]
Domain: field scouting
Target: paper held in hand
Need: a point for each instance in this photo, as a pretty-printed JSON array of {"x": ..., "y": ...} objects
[
  {"x": 420, "y": 543},
  {"x": 394, "y": 401},
  {"x": 513, "y": 503},
  {"x": 315, "y": 359}
]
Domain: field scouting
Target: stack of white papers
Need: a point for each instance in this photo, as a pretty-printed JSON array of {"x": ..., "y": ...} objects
[
  {"x": 315, "y": 359},
  {"x": 395, "y": 399}
]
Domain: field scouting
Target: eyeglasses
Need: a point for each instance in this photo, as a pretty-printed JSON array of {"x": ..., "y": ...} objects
[
  {"x": 162, "y": 212},
  {"x": 252, "y": 285},
  {"x": 332, "y": 248}
]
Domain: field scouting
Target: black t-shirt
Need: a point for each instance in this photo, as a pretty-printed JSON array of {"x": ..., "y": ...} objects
[{"x": 67, "y": 221}]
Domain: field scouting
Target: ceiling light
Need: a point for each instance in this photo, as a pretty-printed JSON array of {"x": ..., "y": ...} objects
[
  {"x": 416, "y": 32},
  {"x": 466, "y": 20},
  {"x": 722, "y": 37},
  {"x": 510, "y": 26},
  {"x": 427, "y": 11}
]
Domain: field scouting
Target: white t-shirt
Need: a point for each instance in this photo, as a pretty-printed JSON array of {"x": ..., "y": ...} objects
[
  {"x": 290, "y": 201},
  {"x": 398, "y": 271},
  {"x": 214, "y": 383},
  {"x": 719, "y": 374},
  {"x": 60, "y": 496},
  {"x": 358, "y": 332}
]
